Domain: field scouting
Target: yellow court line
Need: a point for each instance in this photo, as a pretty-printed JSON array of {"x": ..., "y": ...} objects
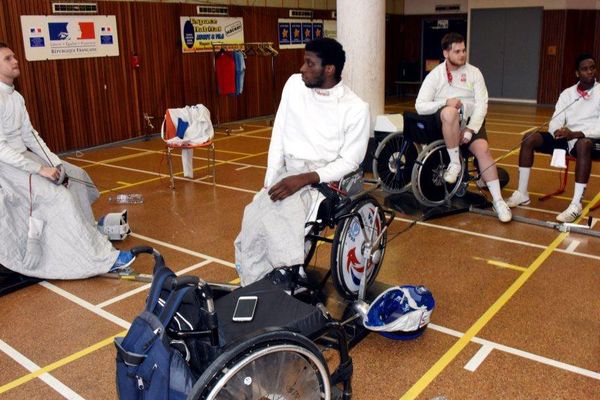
[
  {"x": 110, "y": 160},
  {"x": 57, "y": 364},
  {"x": 245, "y": 134},
  {"x": 123, "y": 183},
  {"x": 501, "y": 264},
  {"x": 451, "y": 354},
  {"x": 163, "y": 176}
]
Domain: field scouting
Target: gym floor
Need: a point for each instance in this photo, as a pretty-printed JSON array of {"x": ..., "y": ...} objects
[{"x": 517, "y": 315}]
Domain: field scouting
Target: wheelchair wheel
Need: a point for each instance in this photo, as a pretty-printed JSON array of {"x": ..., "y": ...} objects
[
  {"x": 348, "y": 258},
  {"x": 273, "y": 365},
  {"x": 393, "y": 162},
  {"x": 427, "y": 180}
]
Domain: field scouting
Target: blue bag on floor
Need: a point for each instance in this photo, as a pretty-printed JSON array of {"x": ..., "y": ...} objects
[{"x": 147, "y": 366}]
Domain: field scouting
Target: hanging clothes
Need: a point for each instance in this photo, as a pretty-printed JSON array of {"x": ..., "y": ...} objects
[
  {"x": 240, "y": 71},
  {"x": 225, "y": 70}
]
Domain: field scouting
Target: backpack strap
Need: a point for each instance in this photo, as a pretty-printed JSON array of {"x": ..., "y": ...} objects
[
  {"x": 172, "y": 304},
  {"x": 160, "y": 276}
]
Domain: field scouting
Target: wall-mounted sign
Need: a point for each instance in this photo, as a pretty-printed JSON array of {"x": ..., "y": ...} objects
[
  {"x": 294, "y": 33},
  {"x": 55, "y": 37},
  {"x": 199, "y": 33}
]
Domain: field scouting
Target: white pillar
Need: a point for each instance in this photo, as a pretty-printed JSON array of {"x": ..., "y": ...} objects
[{"x": 361, "y": 30}]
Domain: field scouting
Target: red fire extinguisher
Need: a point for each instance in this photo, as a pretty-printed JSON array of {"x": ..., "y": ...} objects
[{"x": 135, "y": 60}]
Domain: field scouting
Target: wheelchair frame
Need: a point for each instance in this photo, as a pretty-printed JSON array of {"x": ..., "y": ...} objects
[
  {"x": 402, "y": 162},
  {"x": 239, "y": 369}
]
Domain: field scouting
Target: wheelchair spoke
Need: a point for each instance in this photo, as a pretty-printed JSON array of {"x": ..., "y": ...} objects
[{"x": 278, "y": 374}]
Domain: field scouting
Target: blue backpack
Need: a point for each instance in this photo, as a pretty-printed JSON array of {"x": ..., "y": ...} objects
[{"x": 147, "y": 366}]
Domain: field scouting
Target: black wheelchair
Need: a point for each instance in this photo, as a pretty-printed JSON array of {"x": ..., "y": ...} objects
[
  {"x": 278, "y": 354},
  {"x": 416, "y": 158}
]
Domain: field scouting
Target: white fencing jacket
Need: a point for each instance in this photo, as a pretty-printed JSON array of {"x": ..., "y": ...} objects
[
  {"x": 320, "y": 130},
  {"x": 578, "y": 113},
  {"x": 467, "y": 85}
]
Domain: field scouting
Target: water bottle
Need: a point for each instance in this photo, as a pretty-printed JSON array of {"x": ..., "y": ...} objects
[{"x": 126, "y": 198}]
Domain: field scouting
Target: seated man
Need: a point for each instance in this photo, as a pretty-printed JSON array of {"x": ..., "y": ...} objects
[
  {"x": 320, "y": 134},
  {"x": 455, "y": 92},
  {"x": 576, "y": 119},
  {"x": 62, "y": 241}
]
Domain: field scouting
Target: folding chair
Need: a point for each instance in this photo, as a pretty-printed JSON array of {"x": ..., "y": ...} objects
[
  {"x": 565, "y": 173},
  {"x": 168, "y": 131}
]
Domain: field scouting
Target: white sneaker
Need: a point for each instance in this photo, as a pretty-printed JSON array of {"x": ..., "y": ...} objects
[
  {"x": 570, "y": 214},
  {"x": 518, "y": 199},
  {"x": 452, "y": 172},
  {"x": 503, "y": 211}
]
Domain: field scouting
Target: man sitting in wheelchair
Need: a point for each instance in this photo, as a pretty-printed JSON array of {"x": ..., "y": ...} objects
[
  {"x": 320, "y": 135},
  {"x": 455, "y": 93}
]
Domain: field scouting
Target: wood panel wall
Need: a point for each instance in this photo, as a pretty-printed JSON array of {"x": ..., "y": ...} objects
[{"x": 80, "y": 103}]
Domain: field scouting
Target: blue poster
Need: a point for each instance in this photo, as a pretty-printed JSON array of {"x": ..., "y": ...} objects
[
  {"x": 317, "y": 32},
  {"x": 307, "y": 28},
  {"x": 296, "y": 32},
  {"x": 284, "y": 33}
]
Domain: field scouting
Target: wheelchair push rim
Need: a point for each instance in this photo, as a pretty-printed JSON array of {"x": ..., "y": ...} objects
[
  {"x": 428, "y": 183},
  {"x": 284, "y": 366},
  {"x": 393, "y": 162},
  {"x": 350, "y": 251}
]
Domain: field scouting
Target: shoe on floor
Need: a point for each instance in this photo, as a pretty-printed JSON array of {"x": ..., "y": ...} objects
[
  {"x": 452, "y": 172},
  {"x": 570, "y": 214},
  {"x": 518, "y": 199},
  {"x": 502, "y": 210},
  {"x": 124, "y": 261}
]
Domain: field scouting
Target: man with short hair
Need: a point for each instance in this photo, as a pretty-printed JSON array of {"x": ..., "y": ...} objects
[
  {"x": 455, "y": 93},
  {"x": 576, "y": 121},
  {"x": 320, "y": 134},
  {"x": 62, "y": 241}
]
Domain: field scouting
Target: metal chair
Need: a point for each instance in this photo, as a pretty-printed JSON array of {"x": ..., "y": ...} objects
[{"x": 169, "y": 131}]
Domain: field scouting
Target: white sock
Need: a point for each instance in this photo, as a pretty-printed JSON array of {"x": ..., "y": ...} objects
[
  {"x": 578, "y": 192},
  {"x": 524, "y": 180},
  {"x": 495, "y": 190},
  {"x": 454, "y": 155}
]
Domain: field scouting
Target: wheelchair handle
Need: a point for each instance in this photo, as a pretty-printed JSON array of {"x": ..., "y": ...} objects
[{"x": 159, "y": 261}]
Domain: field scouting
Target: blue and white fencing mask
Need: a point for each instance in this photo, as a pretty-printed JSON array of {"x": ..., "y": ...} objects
[
  {"x": 114, "y": 225},
  {"x": 401, "y": 312}
]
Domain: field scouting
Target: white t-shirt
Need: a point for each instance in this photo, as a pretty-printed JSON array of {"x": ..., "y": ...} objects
[
  {"x": 467, "y": 85},
  {"x": 578, "y": 113}
]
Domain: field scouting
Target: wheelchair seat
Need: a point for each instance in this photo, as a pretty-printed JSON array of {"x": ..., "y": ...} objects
[{"x": 275, "y": 308}]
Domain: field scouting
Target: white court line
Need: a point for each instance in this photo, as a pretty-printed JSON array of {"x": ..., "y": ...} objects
[
  {"x": 166, "y": 176},
  {"x": 183, "y": 250},
  {"x": 87, "y": 305},
  {"x": 498, "y": 238},
  {"x": 244, "y": 167},
  {"x": 478, "y": 358},
  {"x": 30, "y": 366},
  {"x": 520, "y": 353},
  {"x": 147, "y": 286},
  {"x": 572, "y": 246}
]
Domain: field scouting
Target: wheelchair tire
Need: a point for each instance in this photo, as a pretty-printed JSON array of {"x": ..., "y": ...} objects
[
  {"x": 348, "y": 262},
  {"x": 427, "y": 180},
  {"x": 272, "y": 365},
  {"x": 393, "y": 162}
]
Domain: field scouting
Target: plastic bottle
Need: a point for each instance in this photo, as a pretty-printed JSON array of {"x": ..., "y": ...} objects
[{"x": 126, "y": 198}]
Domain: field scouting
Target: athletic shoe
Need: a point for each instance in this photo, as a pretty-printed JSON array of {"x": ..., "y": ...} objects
[
  {"x": 502, "y": 210},
  {"x": 570, "y": 214},
  {"x": 518, "y": 199},
  {"x": 124, "y": 260},
  {"x": 452, "y": 172}
]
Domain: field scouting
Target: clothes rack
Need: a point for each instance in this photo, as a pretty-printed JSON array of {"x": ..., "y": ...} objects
[{"x": 260, "y": 49}]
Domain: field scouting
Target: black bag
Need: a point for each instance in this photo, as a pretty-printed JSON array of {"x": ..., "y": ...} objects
[{"x": 148, "y": 367}]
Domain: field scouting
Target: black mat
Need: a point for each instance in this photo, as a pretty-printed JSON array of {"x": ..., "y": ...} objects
[
  {"x": 406, "y": 203},
  {"x": 11, "y": 281}
]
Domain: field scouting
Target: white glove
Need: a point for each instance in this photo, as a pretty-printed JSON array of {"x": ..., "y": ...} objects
[
  {"x": 467, "y": 135},
  {"x": 33, "y": 254}
]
